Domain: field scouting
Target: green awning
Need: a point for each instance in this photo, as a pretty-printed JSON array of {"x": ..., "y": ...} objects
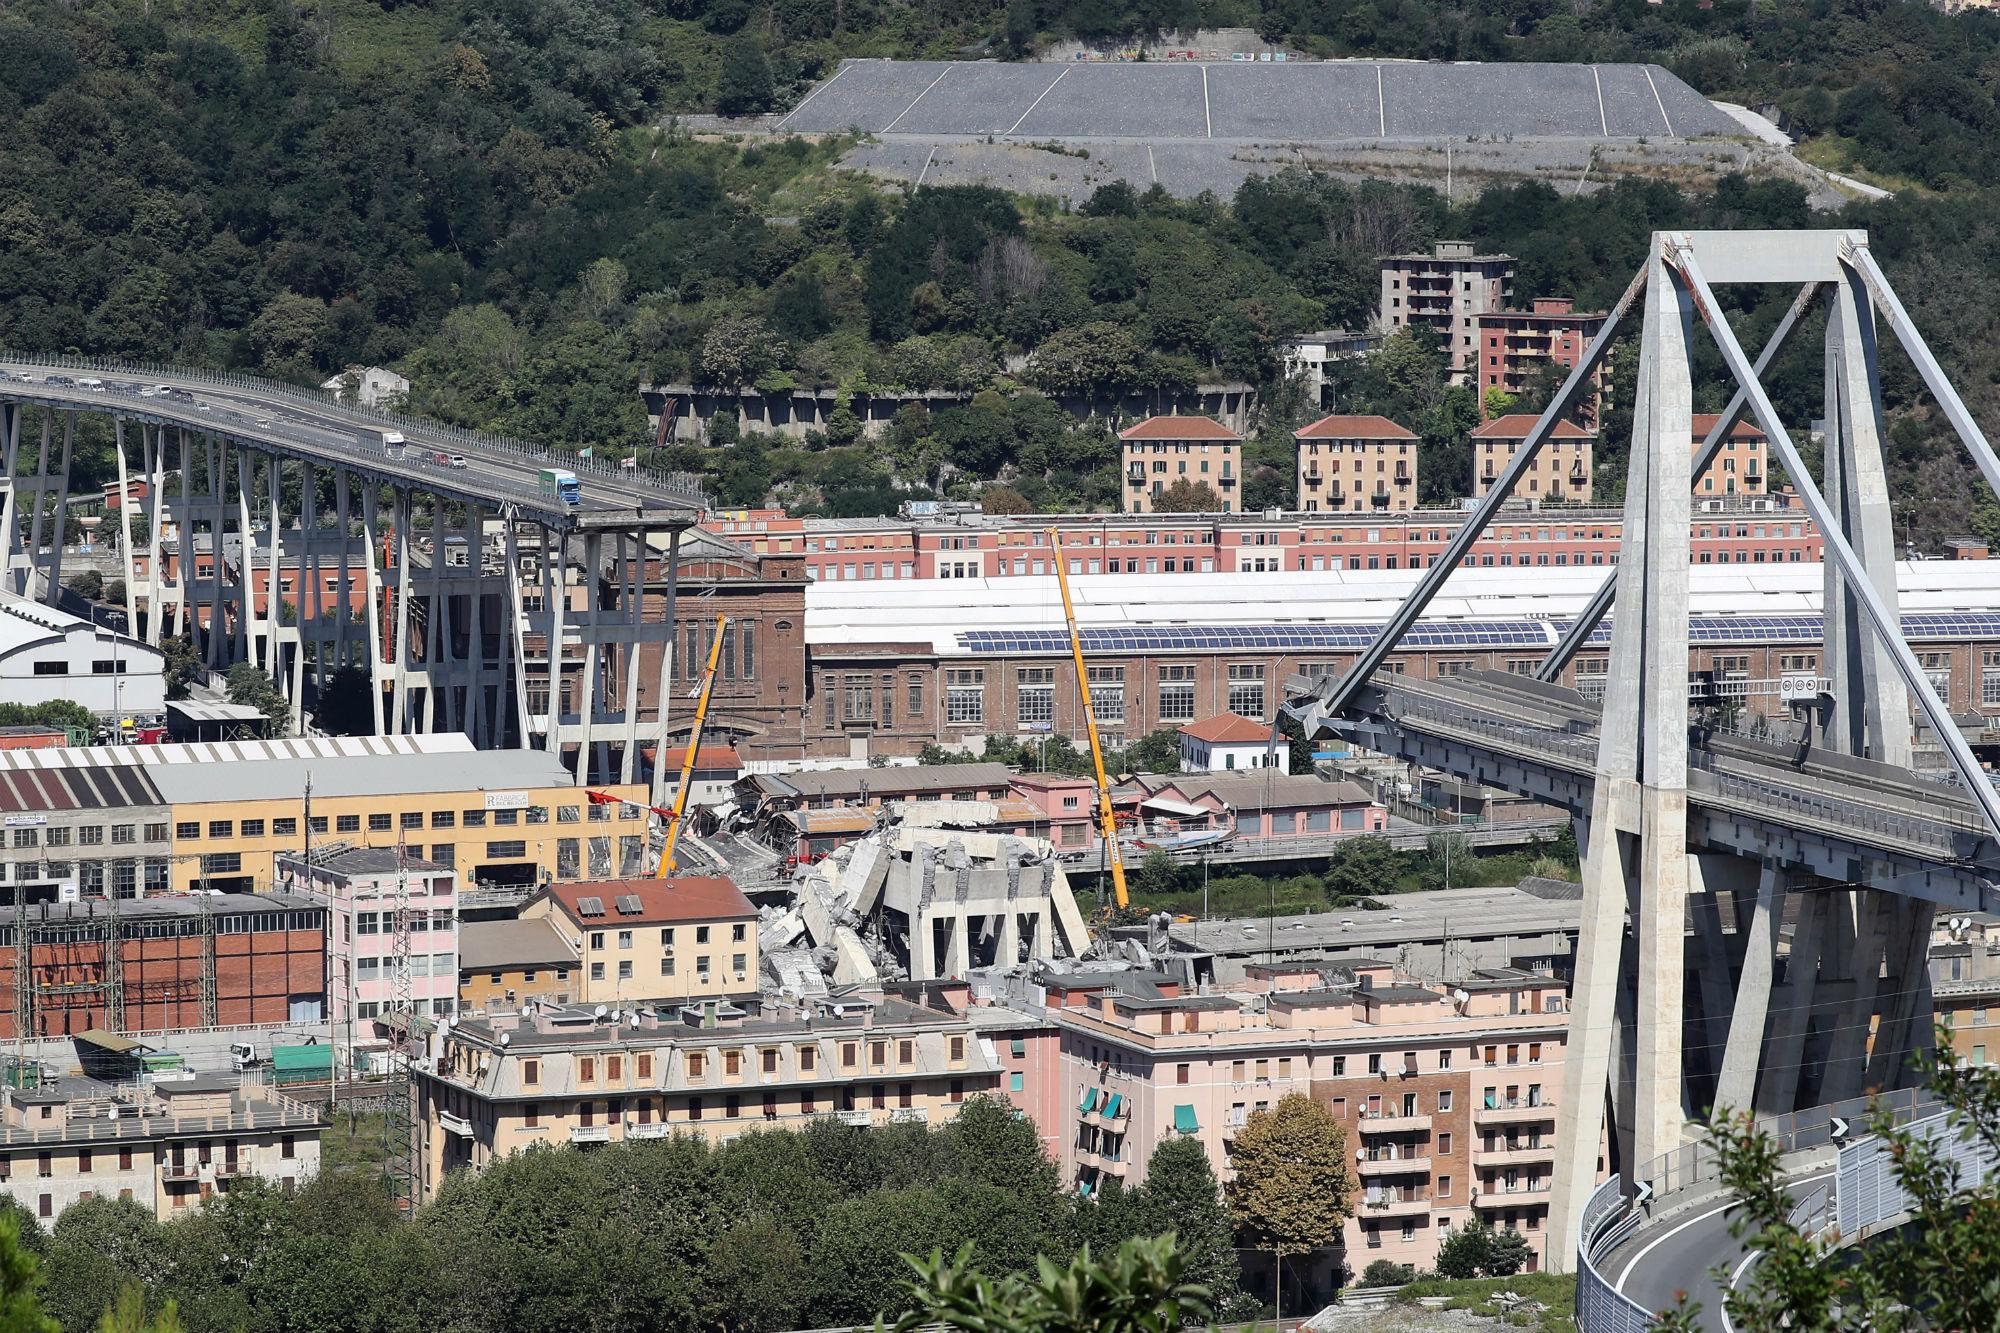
[
  {"x": 1184, "y": 1120},
  {"x": 1089, "y": 1100},
  {"x": 1111, "y": 1107}
]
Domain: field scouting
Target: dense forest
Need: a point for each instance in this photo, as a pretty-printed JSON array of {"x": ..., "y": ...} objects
[
  {"x": 773, "y": 1230},
  {"x": 494, "y": 198}
]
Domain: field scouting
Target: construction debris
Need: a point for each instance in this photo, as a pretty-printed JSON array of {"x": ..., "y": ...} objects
[{"x": 925, "y": 896}]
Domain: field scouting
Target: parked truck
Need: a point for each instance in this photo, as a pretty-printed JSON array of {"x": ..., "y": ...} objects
[
  {"x": 558, "y": 483},
  {"x": 392, "y": 443}
]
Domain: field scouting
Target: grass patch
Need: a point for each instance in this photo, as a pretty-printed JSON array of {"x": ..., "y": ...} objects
[
  {"x": 1832, "y": 152},
  {"x": 355, "y": 1141},
  {"x": 1555, "y": 1292}
]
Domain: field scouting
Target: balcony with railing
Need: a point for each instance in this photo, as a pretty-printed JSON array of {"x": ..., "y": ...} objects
[
  {"x": 1513, "y": 1111},
  {"x": 1371, "y": 1165},
  {"x": 1521, "y": 1154},
  {"x": 1523, "y": 1195},
  {"x": 590, "y": 1133},
  {"x": 1411, "y": 1203},
  {"x": 1394, "y": 1122}
]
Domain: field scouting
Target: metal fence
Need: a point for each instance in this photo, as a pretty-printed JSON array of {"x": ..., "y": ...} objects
[
  {"x": 1608, "y": 1218},
  {"x": 1866, "y": 1190},
  {"x": 1692, "y": 1170},
  {"x": 685, "y": 486}
]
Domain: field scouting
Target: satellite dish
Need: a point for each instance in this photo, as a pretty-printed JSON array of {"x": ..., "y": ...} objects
[
  {"x": 506, "y": 1038},
  {"x": 840, "y": 1011},
  {"x": 601, "y": 1011},
  {"x": 1459, "y": 996}
]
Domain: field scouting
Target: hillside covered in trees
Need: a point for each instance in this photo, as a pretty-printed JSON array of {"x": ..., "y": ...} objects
[{"x": 486, "y": 195}]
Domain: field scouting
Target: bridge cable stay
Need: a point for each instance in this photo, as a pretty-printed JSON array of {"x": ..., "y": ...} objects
[
  {"x": 668, "y": 864},
  {"x": 1332, "y": 695},
  {"x": 1885, "y": 623},
  {"x": 1593, "y": 615},
  {"x": 1862, "y": 261}
]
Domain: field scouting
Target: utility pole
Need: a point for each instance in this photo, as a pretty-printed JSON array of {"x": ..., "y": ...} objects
[{"x": 401, "y": 1127}]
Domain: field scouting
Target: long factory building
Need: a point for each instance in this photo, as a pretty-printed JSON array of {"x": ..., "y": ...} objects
[{"x": 953, "y": 661}]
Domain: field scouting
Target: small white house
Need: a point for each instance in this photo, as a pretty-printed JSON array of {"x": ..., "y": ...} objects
[
  {"x": 46, "y": 655},
  {"x": 369, "y": 386},
  {"x": 1230, "y": 743}
]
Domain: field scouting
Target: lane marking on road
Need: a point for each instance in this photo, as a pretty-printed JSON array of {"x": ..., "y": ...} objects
[
  {"x": 1664, "y": 1237},
  {"x": 809, "y": 96}
]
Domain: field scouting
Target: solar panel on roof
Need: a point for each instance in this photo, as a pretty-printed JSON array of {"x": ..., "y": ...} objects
[
  {"x": 590, "y": 906},
  {"x": 628, "y": 904}
]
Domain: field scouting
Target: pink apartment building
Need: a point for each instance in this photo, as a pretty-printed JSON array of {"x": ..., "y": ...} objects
[
  {"x": 1445, "y": 1091},
  {"x": 364, "y": 890}
]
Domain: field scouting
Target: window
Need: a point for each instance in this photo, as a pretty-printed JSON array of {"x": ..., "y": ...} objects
[
  {"x": 915, "y": 709},
  {"x": 444, "y": 818},
  {"x": 412, "y": 819},
  {"x": 1035, "y": 699},
  {"x": 965, "y": 696},
  {"x": 739, "y": 932},
  {"x": 1246, "y": 690},
  {"x": 379, "y": 823},
  {"x": 347, "y": 823},
  {"x": 217, "y": 828},
  {"x": 1107, "y": 694},
  {"x": 280, "y": 828},
  {"x": 188, "y": 828},
  {"x": 506, "y": 851},
  {"x": 1181, "y": 1073},
  {"x": 1444, "y": 1145},
  {"x": 1177, "y": 693},
  {"x": 125, "y": 834},
  {"x": 857, "y": 700},
  {"x": 1444, "y": 1100}
]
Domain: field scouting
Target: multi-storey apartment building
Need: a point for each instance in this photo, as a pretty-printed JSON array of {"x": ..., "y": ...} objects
[
  {"x": 692, "y": 937},
  {"x": 1160, "y": 451},
  {"x": 562, "y": 1074},
  {"x": 1446, "y": 290},
  {"x": 1738, "y": 469},
  {"x": 1445, "y": 1092},
  {"x": 1965, "y": 982},
  {"x": 1514, "y": 343},
  {"x": 1560, "y": 472},
  {"x": 164, "y": 1146},
  {"x": 380, "y": 900},
  {"x": 1359, "y": 464}
]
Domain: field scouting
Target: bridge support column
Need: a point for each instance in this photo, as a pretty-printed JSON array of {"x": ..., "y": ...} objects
[
  {"x": 632, "y": 587},
  {"x": 669, "y": 641},
  {"x": 10, "y": 427},
  {"x": 1736, "y": 1085},
  {"x": 555, "y": 602},
  {"x": 400, "y": 707},
  {"x": 371, "y": 535},
  {"x": 514, "y": 646},
  {"x": 124, "y": 535},
  {"x": 1638, "y": 826}
]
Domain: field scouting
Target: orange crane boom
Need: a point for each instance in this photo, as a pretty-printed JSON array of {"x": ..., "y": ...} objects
[
  {"x": 667, "y": 863},
  {"x": 1107, "y": 822}
]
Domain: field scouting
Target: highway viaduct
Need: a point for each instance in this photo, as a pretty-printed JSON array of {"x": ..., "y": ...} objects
[{"x": 449, "y": 538}]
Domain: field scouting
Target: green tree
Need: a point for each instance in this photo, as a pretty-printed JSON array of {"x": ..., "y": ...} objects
[
  {"x": 88, "y": 585},
  {"x": 1186, "y": 496},
  {"x": 1361, "y": 868},
  {"x": 1155, "y": 752},
  {"x": 1141, "y": 1287},
  {"x": 182, "y": 663},
  {"x": 1292, "y": 1187},
  {"x": 738, "y": 349},
  {"x": 1092, "y": 357},
  {"x": 1182, "y": 1195},
  {"x": 744, "y": 87},
  {"x": 1386, "y": 1273},
  {"x": 1449, "y": 861},
  {"x": 347, "y": 708},
  {"x": 53, "y": 713},
  {"x": 249, "y": 687}
]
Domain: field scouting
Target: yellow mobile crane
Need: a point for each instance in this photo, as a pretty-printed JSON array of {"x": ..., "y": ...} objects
[
  {"x": 674, "y": 821},
  {"x": 1107, "y": 822}
]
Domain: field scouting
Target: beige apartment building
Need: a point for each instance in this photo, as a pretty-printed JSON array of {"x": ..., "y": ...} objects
[
  {"x": 1161, "y": 451},
  {"x": 1561, "y": 471},
  {"x": 561, "y": 1074},
  {"x": 1356, "y": 464},
  {"x": 693, "y": 937},
  {"x": 1738, "y": 467},
  {"x": 1447, "y": 290},
  {"x": 1446, "y": 1092},
  {"x": 164, "y": 1146}
]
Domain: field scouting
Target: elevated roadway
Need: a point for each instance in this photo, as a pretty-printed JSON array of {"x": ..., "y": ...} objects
[
  {"x": 1765, "y": 796},
  {"x": 289, "y": 422}
]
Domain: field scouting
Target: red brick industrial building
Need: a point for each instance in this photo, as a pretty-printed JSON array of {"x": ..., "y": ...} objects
[{"x": 160, "y": 964}]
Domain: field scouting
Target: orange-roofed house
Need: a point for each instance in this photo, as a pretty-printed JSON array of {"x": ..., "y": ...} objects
[
  {"x": 1230, "y": 742},
  {"x": 1160, "y": 451},
  {"x": 686, "y": 938},
  {"x": 1357, "y": 464},
  {"x": 1738, "y": 467},
  {"x": 1560, "y": 473}
]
